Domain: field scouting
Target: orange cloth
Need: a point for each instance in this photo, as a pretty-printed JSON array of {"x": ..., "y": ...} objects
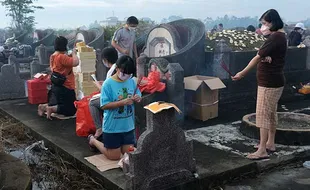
[
  {"x": 63, "y": 64},
  {"x": 153, "y": 83}
]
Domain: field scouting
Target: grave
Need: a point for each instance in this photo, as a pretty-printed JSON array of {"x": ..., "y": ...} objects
[
  {"x": 292, "y": 129},
  {"x": 174, "y": 92},
  {"x": 296, "y": 71},
  {"x": 93, "y": 37},
  {"x": 45, "y": 37},
  {"x": 101, "y": 70},
  {"x": 180, "y": 42},
  {"x": 21, "y": 66},
  {"x": 164, "y": 158},
  {"x": 41, "y": 60},
  {"x": 11, "y": 85}
]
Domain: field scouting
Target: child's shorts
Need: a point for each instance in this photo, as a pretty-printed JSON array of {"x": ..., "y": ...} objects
[{"x": 116, "y": 140}]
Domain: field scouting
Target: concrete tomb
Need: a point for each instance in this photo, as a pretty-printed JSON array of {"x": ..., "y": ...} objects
[
  {"x": 292, "y": 129},
  {"x": 173, "y": 75},
  {"x": 180, "y": 42},
  {"x": 164, "y": 158},
  {"x": 11, "y": 85}
]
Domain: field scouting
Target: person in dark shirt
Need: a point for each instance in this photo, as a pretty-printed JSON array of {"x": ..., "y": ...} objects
[
  {"x": 251, "y": 28},
  {"x": 271, "y": 80},
  {"x": 295, "y": 37}
]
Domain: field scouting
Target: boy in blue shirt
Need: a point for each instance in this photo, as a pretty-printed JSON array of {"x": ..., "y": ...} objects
[{"x": 117, "y": 98}]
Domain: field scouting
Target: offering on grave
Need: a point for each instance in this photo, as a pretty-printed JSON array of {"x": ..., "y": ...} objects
[
  {"x": 157, "y": 107},
  {"x": 236, "y": 40},
  {"x": 305, "y": 89},
  {"x": 84, "y": 85},
  {"x": 151, "y": 83}
]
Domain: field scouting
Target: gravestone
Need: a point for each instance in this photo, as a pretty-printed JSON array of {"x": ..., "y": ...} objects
[
  {"x": 142, "y": 66},
  {"x": 162, "y": 41},
  {"x": 11, "y": 85},
  {"x": 308, "y": 58},
  {"x": 182, "y": 42},
  {"x": 42, "y": 55},
  {"x": 174, "y": 93},
  {"x": 101, "y": 70},
  {"x": 35, "y": 66},
  {"x": 15, "y": 63},
  {"x": 164, "y": 158},
  {"x": 175, "y": 89},
  {"x": 41, "y": 61},
  {"x": 221, "y": 55}
]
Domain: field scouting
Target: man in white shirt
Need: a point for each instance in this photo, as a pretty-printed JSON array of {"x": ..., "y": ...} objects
[{"x": 109, "y": 57}]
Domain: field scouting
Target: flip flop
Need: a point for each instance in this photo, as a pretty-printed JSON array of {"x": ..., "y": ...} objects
[
  {"x": 91, "y": 147},
  {"x": 258, "y": 158}
]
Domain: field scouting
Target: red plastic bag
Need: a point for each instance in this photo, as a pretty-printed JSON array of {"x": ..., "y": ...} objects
[{"x": 84, "y": 121}]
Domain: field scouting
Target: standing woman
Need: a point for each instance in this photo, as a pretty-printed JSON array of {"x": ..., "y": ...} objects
[
  {"x": 271, "y": 80},
  {"x": 62, "y": 94}
]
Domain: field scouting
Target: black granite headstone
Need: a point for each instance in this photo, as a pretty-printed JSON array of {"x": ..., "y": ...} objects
[{"x": 164, "y": 158}]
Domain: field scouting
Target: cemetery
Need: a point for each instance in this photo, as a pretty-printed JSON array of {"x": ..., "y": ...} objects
[{"x": 200, "y": 139}]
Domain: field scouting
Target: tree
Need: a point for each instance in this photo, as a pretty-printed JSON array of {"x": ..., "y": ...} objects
[{"x": 20, "y": 11}]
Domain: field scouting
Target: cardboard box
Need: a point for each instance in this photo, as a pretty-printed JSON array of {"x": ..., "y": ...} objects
[{"x": 202, "y": 96}]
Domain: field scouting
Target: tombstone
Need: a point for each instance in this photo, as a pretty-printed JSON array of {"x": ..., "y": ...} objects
[
  {"x": 175, "y": 89},
  {"x": 15, "y": 63},
  {"x": 101, "y": 70},
  {"x": 35, "y": 67},
  {"x": 27, "y": 50},
  {"x": 40, "y": 62},
  {"x": 173, "y": 93},
  {"x": 44, "y": 53},
  {"x": 142, "y": 66},
  {"x": 164, "y": 158},
  {"x": 93, "y": 37},
  {"x": 180, "y": 42},
  {"x": 41, "y": 53},
  {"x": 11, "y": 85},
  {"x": 221, "y": 55},
  {"x": 162, "y": 41}
]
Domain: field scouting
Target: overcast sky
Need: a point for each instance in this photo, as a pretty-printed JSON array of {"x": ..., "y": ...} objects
[{"x": 74, "y": 13}]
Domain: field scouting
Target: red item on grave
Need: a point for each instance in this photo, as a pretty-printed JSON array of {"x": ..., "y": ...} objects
[
  {"x": 153, "y": 83},
  {"x": 84, "y": 121},
  {"x": 37, "y": 90}
]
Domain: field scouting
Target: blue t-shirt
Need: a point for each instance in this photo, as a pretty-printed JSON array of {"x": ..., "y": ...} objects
[{"x": 122, "y": 119}]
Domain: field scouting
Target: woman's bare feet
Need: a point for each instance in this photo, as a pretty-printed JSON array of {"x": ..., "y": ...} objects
[
  {"x": 258, "y": 155},
  {"x": 41, "y": 109},
  {"x": 269, "y": 148}
]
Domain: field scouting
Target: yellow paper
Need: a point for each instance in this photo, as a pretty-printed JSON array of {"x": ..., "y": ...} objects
[{"x": 157, "y": 107}]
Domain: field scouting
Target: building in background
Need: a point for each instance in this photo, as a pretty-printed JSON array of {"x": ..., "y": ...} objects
[{"x": 111, "y": 21}]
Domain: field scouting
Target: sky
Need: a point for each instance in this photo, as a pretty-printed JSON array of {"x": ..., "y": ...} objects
[{"x": 75, "y": 13}]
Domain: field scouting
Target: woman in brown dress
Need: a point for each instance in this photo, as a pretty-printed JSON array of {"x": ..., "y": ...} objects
[{"x": 271, "y": 80}]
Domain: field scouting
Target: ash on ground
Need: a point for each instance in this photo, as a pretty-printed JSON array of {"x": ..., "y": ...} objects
[{"x": 228, "y": 137}]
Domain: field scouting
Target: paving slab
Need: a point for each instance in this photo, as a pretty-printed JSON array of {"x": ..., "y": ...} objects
[
  {"x": 59, "y": 135},
  {"x": 282, "y": 179}
]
